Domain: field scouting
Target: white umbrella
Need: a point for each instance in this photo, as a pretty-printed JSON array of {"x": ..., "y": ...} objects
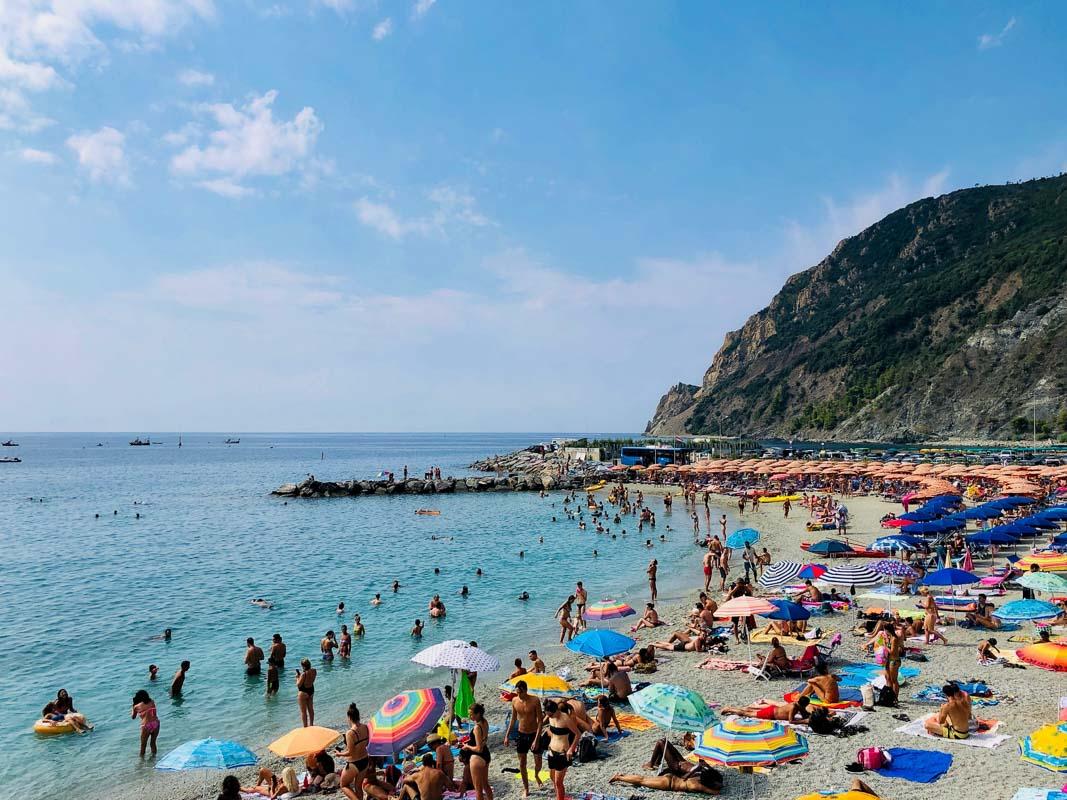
[
  {"x": 779, "y": 574},
  {"x": 457, "y": 654},
  {"x": 850, "y": 575}
]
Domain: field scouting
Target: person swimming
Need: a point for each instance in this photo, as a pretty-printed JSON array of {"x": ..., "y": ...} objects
[
  {"x": 263, "y": 603},
  {"x": 396, "y": 586},
  {"x": 464, "y": 592},
  {"x": 377, "y": 601},
  {"x": 341, "y": 608},
  {"x": 524, "y": 596},
  {"x": 416, "y": 631}
]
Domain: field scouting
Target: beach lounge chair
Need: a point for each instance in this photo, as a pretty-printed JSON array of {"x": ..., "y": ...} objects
[
  {"x": 797, "y": 666},
  {"x": 826, "y": 651}
]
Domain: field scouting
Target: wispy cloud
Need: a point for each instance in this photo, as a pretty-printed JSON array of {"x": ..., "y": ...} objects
[
  {"x": 195, "y": 77},
  {"x": 382, "y": 29},
  {"x": 449, "y": 206},
  {"x": 248, "y": 142},
  {"x": 421, "y": 8},
  {"x": 990, "y": 40},
  {"x": 34, "y": 156},
  {"x": 102, "y": 155}
]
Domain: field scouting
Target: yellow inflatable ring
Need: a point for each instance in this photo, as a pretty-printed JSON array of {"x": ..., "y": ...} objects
[{"x": 46, "y": 728}]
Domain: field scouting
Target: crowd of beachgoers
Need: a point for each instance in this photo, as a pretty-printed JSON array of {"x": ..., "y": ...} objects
[{"x": 773, "y": 650}]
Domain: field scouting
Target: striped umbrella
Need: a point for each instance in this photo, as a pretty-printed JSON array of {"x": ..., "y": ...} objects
[
  {"x": 673, "y": 707},
  {"x": 779, "y": 574},
  {"x": 207, "y": 754},
  {"x": 892, "y": 568},
  {"x": 540, "y": 684},
  {"x": 747, "y": 743},
  {"x": 851, "y": 575},
  {"x": 608, "y": 609},
  {"x": 1048, "y": 562},
  {"x": 404, "y": 719},
  {"x": 1047, "y": 655},
  {"x": 1046, "y": 747}
]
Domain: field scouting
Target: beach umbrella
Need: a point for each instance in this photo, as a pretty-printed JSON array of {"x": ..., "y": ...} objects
[
  {"x": 302, "y": 741},
  {"x": 1048, "y": 562},
  {"x": 1047, "y": 655},
  {"x": 673, "y": 707},
  {"x": 539, "y": 684},
  {"x": 1054, "y": 513},
  {"x": 991, "y": 537},
  {"x": 738, "y": 539},
  {"x": 787, "y": 610},
  {"x": 1038, "y": 523},
  {"x": 747, "y": 743},
  {"x": 1046, "y": 747},
  {"x": 978, "y": 512},
  {"x": 851, "y": 575},
  {"x": 830, "y": 546},
  {"x": 898, "y": 541},
  {"x": 893, "y": 568},
  {"x": 810, "y": 572},
  {"x": 600, "y": 643},
  {"x": 744, "y": 607},
  {"x": 404, "y": 719},
  {"x": 207, "y": 754},
  {"x": 780, "y": 573},
  {"x": 1026, "y": 611},
  {"x": 457, "y": 654},
  {"x": 1043, "y": 582},
  {"x": 950, "y": 576},
  {"x": 608, "y": 609}
]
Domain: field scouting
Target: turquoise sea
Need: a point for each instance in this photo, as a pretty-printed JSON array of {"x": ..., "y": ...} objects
[{"x": 81, "y": 597}]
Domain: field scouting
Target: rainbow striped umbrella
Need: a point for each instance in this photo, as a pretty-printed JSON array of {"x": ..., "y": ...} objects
[
  {"x": 608, "y": 609},
  {"x": 1047, "y": 655},
  {"x": 1050, "y": 562},
  {"x": 744, "y": 742},
  {"x": 403, "y": 720}
]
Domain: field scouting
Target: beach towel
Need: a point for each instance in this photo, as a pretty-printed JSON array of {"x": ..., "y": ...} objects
[
  {"x": 1030, "y": 793},
  {"x": 920, "y": 766},
  {"x": 858, "y": 673},
  {"x": 725, "y": 665},
  {"x": 470, "y": 794},
  {"x": 632, "y": 722},
  {"x": 543, "y": 775},
  {"x": 464, "y": 696},
  {"x": 987, "y": 738}
]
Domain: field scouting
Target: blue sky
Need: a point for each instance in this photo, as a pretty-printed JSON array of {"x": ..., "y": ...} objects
[{"x": 417, "y": 215}]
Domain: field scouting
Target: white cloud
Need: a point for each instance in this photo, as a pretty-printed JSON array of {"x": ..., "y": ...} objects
[
  {"x": 248, "y": 143},
  {"x": 194, "y": 77},
  {"x": 422, "y": 8},
  {"x": 39, "y": 37},
  {"x": 102, "y": 155},
  {"x": 449, "y": 206},
  {"x": 382, "y": 29},
  {"x": 990, "y": 40},
  {"x": 34, "y": 156},
  {"x": 807, "y": 244}
]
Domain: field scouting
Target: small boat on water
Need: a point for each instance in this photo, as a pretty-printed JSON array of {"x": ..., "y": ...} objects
[
  {"x": 232, "y": 441},
  {"x": 10, "y": 460},
  {"x": 9, "y": 443},
  {"x": 138, "y": 442},
  {"x": 428, "y": 512}
]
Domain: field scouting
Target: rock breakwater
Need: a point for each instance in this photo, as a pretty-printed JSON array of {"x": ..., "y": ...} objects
[{"x": 311, "y": 487}]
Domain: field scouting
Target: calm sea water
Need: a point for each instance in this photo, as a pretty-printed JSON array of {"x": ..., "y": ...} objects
[{"x": 81, "y": 597}]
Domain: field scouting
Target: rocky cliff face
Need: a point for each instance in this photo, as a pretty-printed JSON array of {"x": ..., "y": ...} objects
[{"x": 945, "y": 319}]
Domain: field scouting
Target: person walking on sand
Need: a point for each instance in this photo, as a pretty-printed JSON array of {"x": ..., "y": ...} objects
[
  {"x": 748, "y": 556},
  {"x": 653, "y": 568},
  {"x": 581, "y": 596},
  {"x": 305, "y": 692},
  {"x": 526, "y": 718},
  {"x": 724, "y": 568},
  {"x": 709, "y": 563},
  {"x": 145, "y": 708},
  {"x": 354, "y": 751},
  {"x": 478, "y": 748},
  {"x": 563, "y": 614},
  {"x": 930, "y": 618},
  {"x": 562, "y": 743}
]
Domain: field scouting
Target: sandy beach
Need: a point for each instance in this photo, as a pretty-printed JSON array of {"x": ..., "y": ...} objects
[{"x": 1027, "y": 698}]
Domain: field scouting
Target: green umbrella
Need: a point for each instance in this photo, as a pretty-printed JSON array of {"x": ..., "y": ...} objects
[
  {"x": 673, "y": 707},
  {"x": 1043, "y": 582}
]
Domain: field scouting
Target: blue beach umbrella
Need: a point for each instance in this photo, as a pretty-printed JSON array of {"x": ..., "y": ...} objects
[
  {"x": 788, "y": 610},
  {"x": 1026, "y": 611},
  {"x": 991, "y": 537},
  {"x": 739, "y": 538},
  {"x": 1055, "y": 512},
  {"x": 601, "y": 643},
  {"x": 1011, "y": 502},
  {"x": 207, "y": 754},
  {"x": 1036, "y": 521},
  {"x": 898, "y": 541},
  {"x": 828, "y": 547},
  {"x": 978, "y": 512},
  {"x": 950, "y": 576},
  {"x": 810, "y": 572}
]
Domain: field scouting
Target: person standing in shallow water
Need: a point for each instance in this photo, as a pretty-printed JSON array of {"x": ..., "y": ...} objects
[
  {"x": 145, "y": 708},
  {"x": 253, "y": 657},
  {"x": 179, "y": 679}
]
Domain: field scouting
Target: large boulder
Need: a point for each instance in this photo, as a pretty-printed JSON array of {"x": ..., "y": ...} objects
[{"x": 286, "y": 490}]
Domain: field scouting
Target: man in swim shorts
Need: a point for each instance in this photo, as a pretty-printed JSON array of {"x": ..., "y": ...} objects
[
  {"x": 953, "y": 720},
  {"x": 526, "y": 716}
]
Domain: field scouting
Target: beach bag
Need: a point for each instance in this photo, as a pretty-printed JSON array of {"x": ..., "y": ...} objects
[
  {"x": 886, "y": 697},
  {"x": 868, "y": 695},
  {"x": 872, "y": 758},
  {"x": 587, "y": 749}
]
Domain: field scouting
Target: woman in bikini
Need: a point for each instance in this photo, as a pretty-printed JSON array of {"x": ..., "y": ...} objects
[
  {"x": 605, "y": 716},
  {"x": 145, "y": 708},
  {"x": 305, "y": 692},
  {"x": 344, "y": 649},
  {"x": 354, "y": 752},
  {"x": 478, "y": 747},
  {"x": 701, "y": 779},
  {"x": 562, "y": 742},
  {"x": 893, "y": 657},
  {"x": 327, "y": 645},
  {"x": 563, "y": 614}
]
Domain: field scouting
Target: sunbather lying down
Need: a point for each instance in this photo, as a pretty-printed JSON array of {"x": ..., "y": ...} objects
[
  {"x": 682, "y": 640},
  {"x": 770, "y": 709},
  {"x": 701, "y": 779}
]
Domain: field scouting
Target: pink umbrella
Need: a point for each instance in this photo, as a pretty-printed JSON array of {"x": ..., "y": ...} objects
[{"x": 745, "y": 607}]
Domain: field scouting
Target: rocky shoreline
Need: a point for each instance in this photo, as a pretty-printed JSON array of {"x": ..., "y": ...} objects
[{"x": 521, "y": 471}]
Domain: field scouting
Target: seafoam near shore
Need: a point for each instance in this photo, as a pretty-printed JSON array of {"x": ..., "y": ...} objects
[{"x": 1028, "y": 698}]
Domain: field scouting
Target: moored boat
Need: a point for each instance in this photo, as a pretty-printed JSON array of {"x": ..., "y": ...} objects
[{"x": 138, "y": 442}]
